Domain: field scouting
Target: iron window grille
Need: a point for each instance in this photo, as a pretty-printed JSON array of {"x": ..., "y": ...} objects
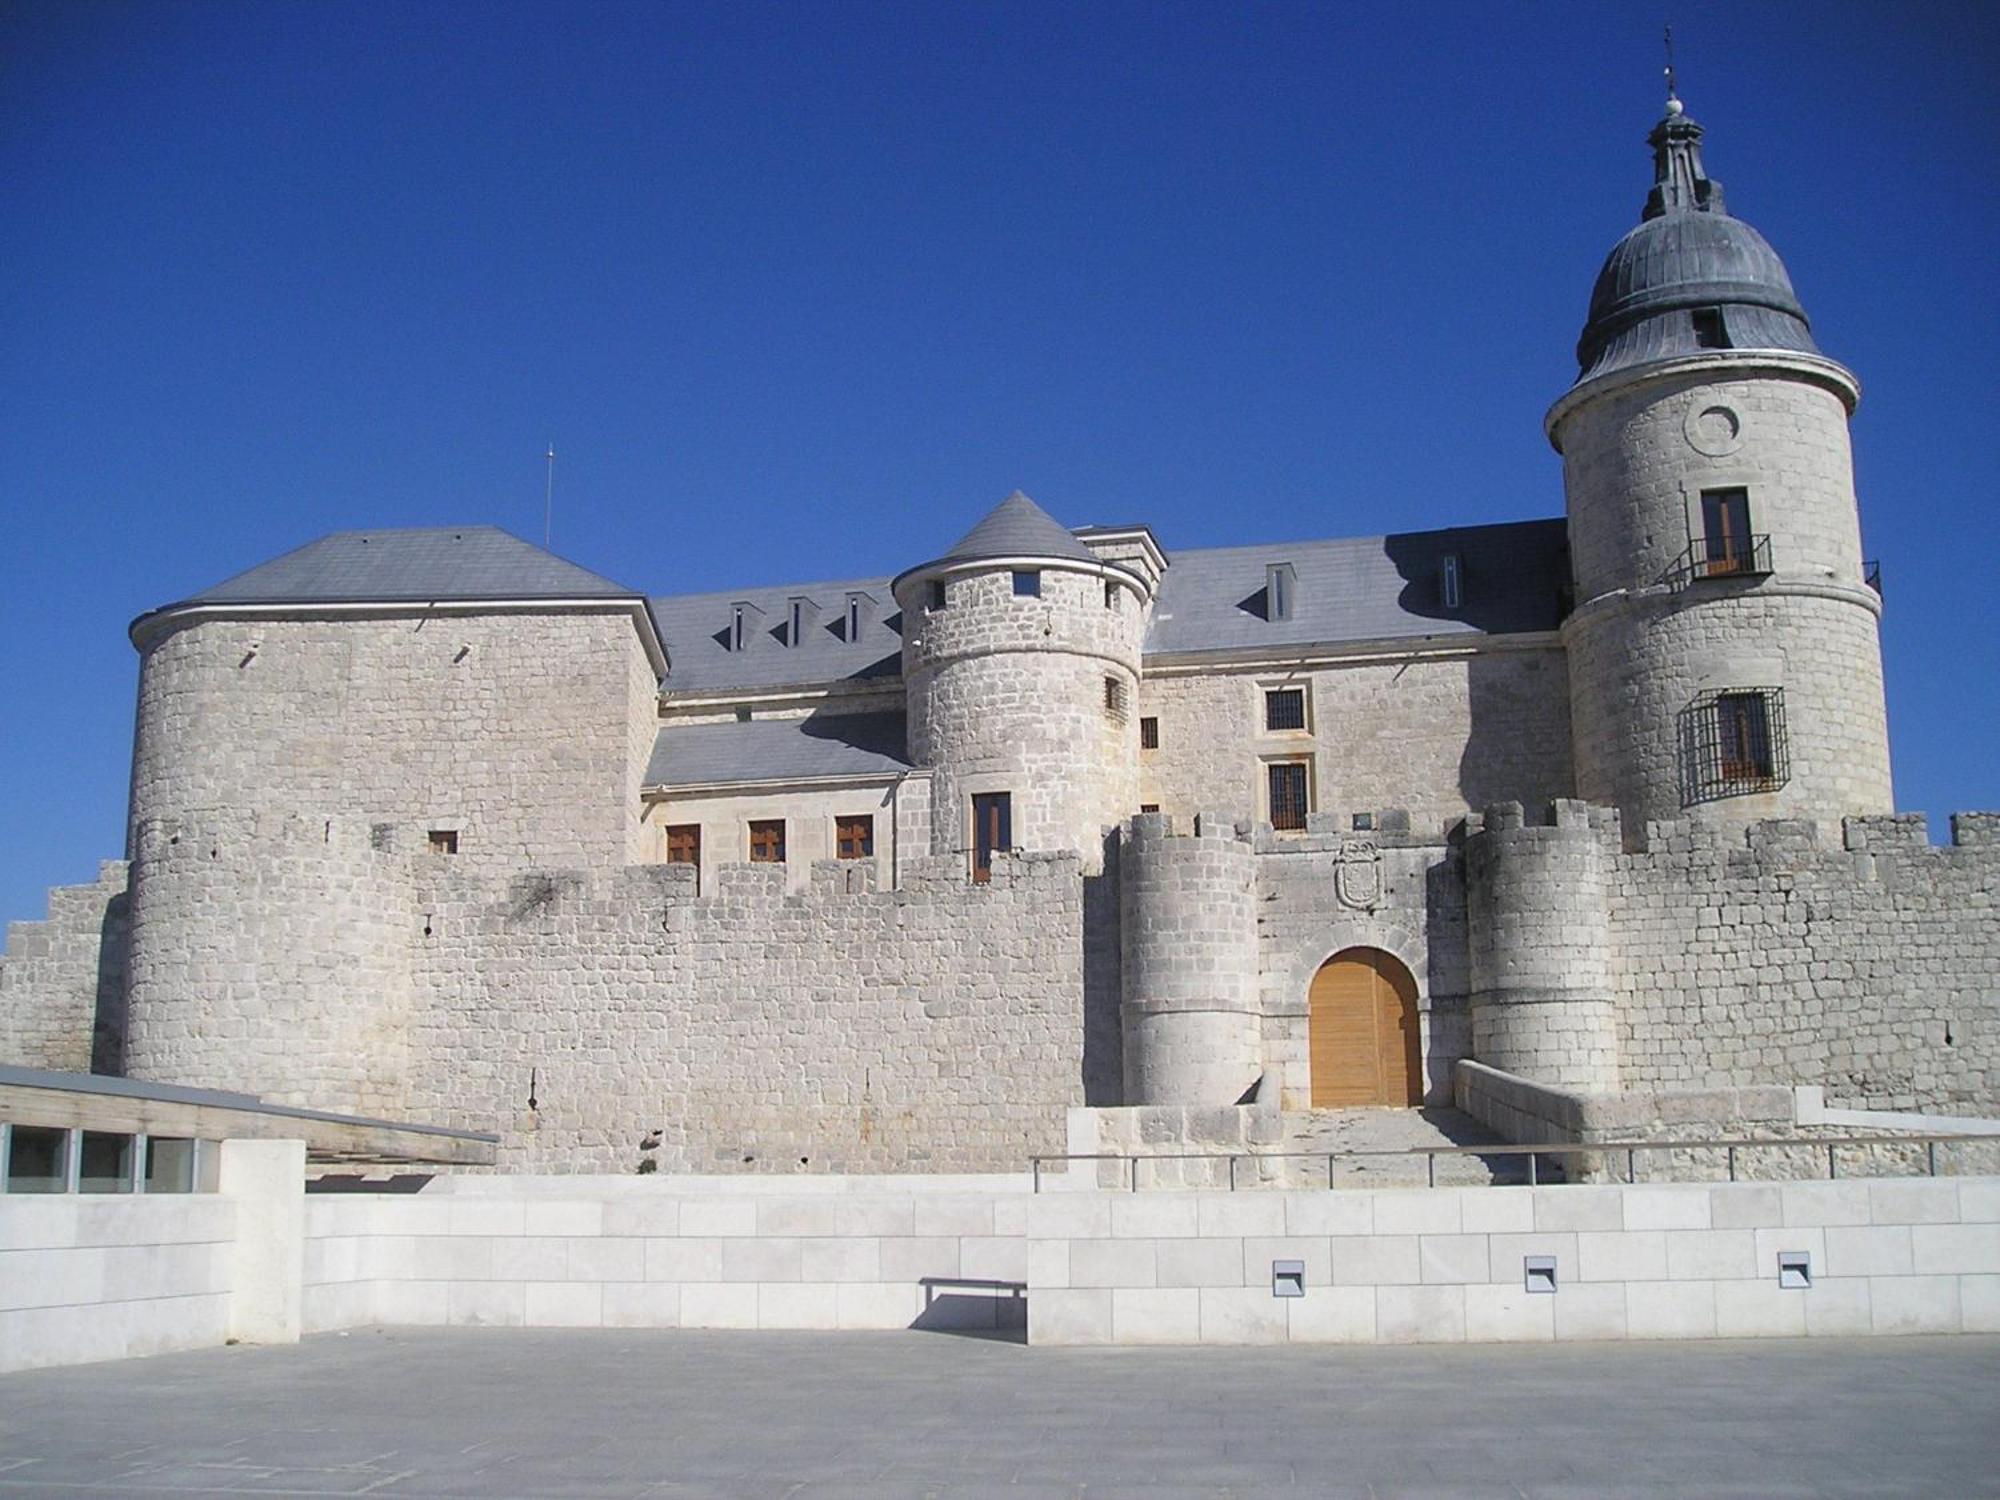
[
  {"x": 1726, "y": 556},
  {"x": 1284, "y": 708},
  {"x": 1733, "y": 743},
  {"x": 1289, "y": 795}
]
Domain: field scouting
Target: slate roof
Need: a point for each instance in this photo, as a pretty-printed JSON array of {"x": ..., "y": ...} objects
[
  {"x": 1365, "y": 588},
  {"x": 778, "y": 750},
  {"x": 1017, "y": 527},
  {"x": 695, "y": 628},
  {"x": 417, "y": 564}
]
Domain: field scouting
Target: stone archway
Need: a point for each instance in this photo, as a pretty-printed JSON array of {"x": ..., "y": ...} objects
[{"x": 1364, "y": 1033}]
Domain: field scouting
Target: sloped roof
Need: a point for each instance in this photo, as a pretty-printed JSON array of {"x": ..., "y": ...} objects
[
  {"x": 695, "y": 628},
  {"x": 413, "y": 565},
  {"x": 1364, "y": 588},
  {"x": 1017, "y": 527},
  {"x": 688, "y": 755}
]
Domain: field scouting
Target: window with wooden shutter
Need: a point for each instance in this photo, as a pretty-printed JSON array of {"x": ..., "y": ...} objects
[
  {"x": 767, "y": 841},
  {"x": 854, "y": 837}
]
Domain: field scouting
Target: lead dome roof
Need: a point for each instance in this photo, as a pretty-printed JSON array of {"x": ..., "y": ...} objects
[{"x": 1688, "y": 254}]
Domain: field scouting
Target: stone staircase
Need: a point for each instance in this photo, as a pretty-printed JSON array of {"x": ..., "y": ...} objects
[{"x": 1324, "y": 1132}]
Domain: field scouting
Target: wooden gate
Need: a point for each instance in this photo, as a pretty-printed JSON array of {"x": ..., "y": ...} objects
[{"x": 1363, "y": 1030}]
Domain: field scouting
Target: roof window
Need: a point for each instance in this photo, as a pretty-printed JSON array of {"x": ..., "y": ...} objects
[
  {"x": 1710, "y": 332},
  {"x": 860, "y": 614},
  {"x": 1449, "y": 581},
  {"x": 1281, "y": 587},
  {"x": 800, "y": 616},
  {"x": 745, "y": 619}
]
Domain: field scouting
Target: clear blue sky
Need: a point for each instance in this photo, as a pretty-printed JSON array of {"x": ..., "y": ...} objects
[{"x": 798, "y": 291}]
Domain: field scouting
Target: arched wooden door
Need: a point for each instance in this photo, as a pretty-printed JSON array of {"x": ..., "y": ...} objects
[{"x": 1365, "y": 1045}]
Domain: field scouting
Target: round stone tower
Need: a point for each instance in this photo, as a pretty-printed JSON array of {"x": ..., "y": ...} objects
[
  {"x": 1021, "y": 665},
  {"x": 1192, "y": 1023},
  {"x": 1724, "y": 657}
]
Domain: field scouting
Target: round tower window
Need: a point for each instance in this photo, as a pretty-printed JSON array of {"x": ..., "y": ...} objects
[{"x": 1713, "y": 429}]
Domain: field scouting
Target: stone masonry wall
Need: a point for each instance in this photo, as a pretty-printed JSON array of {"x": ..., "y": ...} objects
[
  {"x": 524, "y": 733},
  {"x": 1872, "y": 968},
  {"x": 938, "y": 1027},
  {"x": 1435, "y": 735},
  {"x": 62, "y": 980}
]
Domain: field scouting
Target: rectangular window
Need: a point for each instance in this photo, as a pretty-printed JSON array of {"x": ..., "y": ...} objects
[
  {"x": 767, "y": 841},
  {"x": 1284, "y": 709},
  {"x": 795, "y": 626},
  {"x": 1146, "y": 807},
  {"x": 1149, "y": 733},
  {"x": 737, "y": 627},
  {"x": 169, "y": 1164},
  {"x": 854, "y": 837},
  {"x": 992, "y": 831},
  {"x": 1281, "y": 582},
  {"x": 1733, "y": 743},
  {"x": 1448, "y": 580},
  {"x": 1027, "y": 584},
  {"x": 937, "y": 593},
  {"x": 684, "y": 847},
  {"x": 106, "y": 1165},
  {"x": 1725, "y": 528},
  {"x": 1287, "y": 781},
  {"x": 444, "y": 841},
  {"x": 1116, "y": 701},
  {"x": 1110, "y": 594},
  {"x": 1709, "y": 330},
  {"x": 37, "y": 1159},
  {"x": 853, "y": 619}
]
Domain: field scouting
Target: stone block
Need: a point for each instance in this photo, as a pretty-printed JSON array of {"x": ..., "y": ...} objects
[
  {"x": 558, "y": 1304},
  {"x": 1048, "y": 1263},
  {"x": 936, "y": 1216},
  {"x": 1742, "y": 1205},
  {"x": 1156, "y": 1315},
  {"x": 1979, "y": 1200},
  {"x": 1919, "y": 1200},
  {"x": 840, "y": 1258},
  {"x": 1669, "y": 1309},
  {"x": 1154, "y": 1215},
  {"x": 913, "y": 1259},
  {"x": 881, "y": 1217},
  {"x": 1711, "y": 1254},
  {"x": 1561, "y": 1209},
  {"x": 799, "y": 1304},
  {"x": 645, "y": 1218},
  {"x": 1242, "y": 1315},
  {"x": 642, "y": 1304},
  {"x": 1955, "y": 1249},
  {"x": 499, "y": 1304},
  {"x": 1070, "y": 1316},
  {"x": 531, "y": 1258},
  {"x": 721, "y": 1304},
  {"x": 1109, "y": 1263},
  {"x": 1509, "y": 1314},
  {"x": 1773, "y": 1242},
  {"x": 1070, "y": 1216},
  {"x": 719, "y": 1216},
  {"x": 1258, "y": 1254},
  {"x": 1825, "y": 1203},
  {"x": 993, "y": 1258},
  {"x": 1676, "y": 1207},
  {"x": 1447, "y": 1258},
  {"x": 1588, "y": 1311},
  {"x": 1913, "y": 1304},
  {"x": 1626, "y": 1255},
  {"x": 761, "y": 1260},
  {"x": 684, "y": 1259},
  {"x": 798, "y": 1216},
  {"x": 1854, "y": 1250},
  {"x": 419, "y": 1303},
  {"x": 877, "y": 1305},
  {"x": 1760, "y": 1310},
  {"x": 1201, "y": 1262},
  {"x": 1496, "y": 1210},
  {"x": 1417, "y": 1211},
  {"x": 1240, "y": 1215},
  {"x": 1838, "y": 1308},
  {"x": 1420, "y": 1314},
  {"x": 558, "y": 1217},
  {"x": 1507, "y": 1252},
  {"x": 1979, "y": 1303},
  {"x": 1334, "y": 1213},
  {"x": 490, "y": 1216},
  {"x": 1331, "y": 1315},
  {"x": 1379, "y": 1260},
  {"x": 603, "y": 1259}
]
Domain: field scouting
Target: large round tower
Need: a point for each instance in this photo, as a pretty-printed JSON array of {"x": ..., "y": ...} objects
[
  {"x": 1021, "y": 665},
  {"x": 1724, "y": 657}
]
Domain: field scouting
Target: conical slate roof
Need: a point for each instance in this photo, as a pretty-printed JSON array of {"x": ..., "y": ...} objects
[
  {"x": 431, "y": 564},
  {"x": 1688, "y": 256},
  {"x": 1017, "y": 527}
]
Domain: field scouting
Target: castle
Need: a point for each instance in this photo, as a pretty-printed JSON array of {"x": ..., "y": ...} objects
[{"x": 893, "y": 873}]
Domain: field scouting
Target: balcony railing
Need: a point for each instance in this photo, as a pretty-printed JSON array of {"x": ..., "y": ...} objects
[{"x": 1735, "y": 557}]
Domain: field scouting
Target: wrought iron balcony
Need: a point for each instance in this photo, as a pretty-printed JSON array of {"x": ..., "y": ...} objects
[{"x": 1726, "y": 557}]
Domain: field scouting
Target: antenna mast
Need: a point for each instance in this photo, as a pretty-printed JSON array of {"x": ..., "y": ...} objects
[{"x": 549, "y": 498}]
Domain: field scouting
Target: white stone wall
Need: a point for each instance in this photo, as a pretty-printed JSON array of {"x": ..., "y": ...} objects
[
  {"x": 525, "y": 733},
  {"x": 1436, "y": 734},
  {"x": 1007, "y": 694},
  {"x": 1643, "y": 641},
  {"x": 1445, "y": 1265},
  {"x": 938, "y": 1027},
  {"x": 1872, "y": 968},
  {"x": 62, "y": 980}
]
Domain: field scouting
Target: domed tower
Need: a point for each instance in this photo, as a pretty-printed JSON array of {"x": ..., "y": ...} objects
[
  {"x": 1724, "y": 657},
  {"x": 1021, "y": 666}
]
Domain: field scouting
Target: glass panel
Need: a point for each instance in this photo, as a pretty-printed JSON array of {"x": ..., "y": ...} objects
[
  {"x": 37, "y": 1159},
  {"x": 169, "y": 1165},
  {"x": 107, "y": 1163}
]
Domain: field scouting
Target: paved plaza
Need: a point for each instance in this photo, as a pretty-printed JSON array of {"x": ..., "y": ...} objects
[{"x": 678, "y": 1415}]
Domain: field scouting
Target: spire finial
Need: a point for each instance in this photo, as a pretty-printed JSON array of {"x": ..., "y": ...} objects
[
  {"x": 1680, "y": 185},
  {"x": 1674, "y": 105}
]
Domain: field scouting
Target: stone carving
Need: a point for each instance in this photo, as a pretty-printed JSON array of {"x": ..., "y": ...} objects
[{"x": 1357, "y": 879}]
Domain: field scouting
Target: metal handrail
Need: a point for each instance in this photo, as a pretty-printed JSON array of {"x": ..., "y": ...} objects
[{"x": 1547, "y": 1148}]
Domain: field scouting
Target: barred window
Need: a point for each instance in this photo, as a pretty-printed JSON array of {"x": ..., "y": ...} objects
[
  {"x": 1288, "y": 794},
  {"x": 1117, "y": 706},
  {"x": 1733, "y": 743},
  {"x": 1149, "y": 733},
  {"x": 1284, "y": 708}
]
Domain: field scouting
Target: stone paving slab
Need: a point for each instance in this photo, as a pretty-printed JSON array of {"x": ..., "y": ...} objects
[{"x": 675, "y": 1415}]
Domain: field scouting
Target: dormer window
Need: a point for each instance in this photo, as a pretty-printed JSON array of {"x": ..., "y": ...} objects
[
  {"x": 738, "y": 626},
  {"x": 1027, "y": 584},
  {"x": 800, "y": 616},
  {"x": 1709, "y": 330},
  {"x": 1449, "y": 588},
  {"x": 1281, "y": 587},
  {"x": 860, "y": 614},
  {"x": 938, "y": 599}
]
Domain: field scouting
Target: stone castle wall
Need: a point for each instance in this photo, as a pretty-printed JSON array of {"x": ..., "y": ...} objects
[
  {"x": 62, "y": 980},
  {"x": 938, "y": 1027},
  {"x": 1436, "y": 735},
  {"x": 526, "y": 734},
  {"x": 1647, "y": 637},
  {"x": 1871, "y": 966}
]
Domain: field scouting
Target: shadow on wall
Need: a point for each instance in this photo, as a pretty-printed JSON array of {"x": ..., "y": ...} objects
[
  {"x": 1517, "y": 745},
  {"x": 107, "y": 1032},
  {"x": 1103, "y": 985},
  {"x": 1509, "y": 578}
]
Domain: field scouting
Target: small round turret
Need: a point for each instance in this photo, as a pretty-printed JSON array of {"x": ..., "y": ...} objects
[{"x": 1021, "y": 667}]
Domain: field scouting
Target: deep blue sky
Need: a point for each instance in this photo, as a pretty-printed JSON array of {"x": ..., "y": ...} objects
[{"x": 798, "y": 291}]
